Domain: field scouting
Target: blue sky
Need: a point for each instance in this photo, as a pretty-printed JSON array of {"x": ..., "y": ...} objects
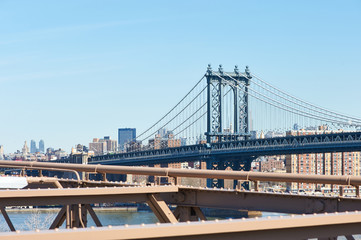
[{"x": 74, "y": 70}]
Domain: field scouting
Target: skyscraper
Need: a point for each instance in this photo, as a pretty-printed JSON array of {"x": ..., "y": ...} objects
[
  {"x": 33, "y": 148},
  {"x": 41, "y": 146},
  {"x": 126, "y": 135}
]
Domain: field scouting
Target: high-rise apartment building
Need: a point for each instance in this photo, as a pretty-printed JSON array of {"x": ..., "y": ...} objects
[
  {"x": 111, "y": 144},
  {"x": 98, "y": 147},
  {"x": 41, "y": 146},
  {"x": 336, "y": 163},
  {"x": 33, "y": 148},
  {"x": 126, "y": 136}
]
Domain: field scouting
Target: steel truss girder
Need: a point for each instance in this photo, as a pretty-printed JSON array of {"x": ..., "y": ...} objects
[
  {"x": 296, "y": 227},
  {"x": 260, "y": 201}
]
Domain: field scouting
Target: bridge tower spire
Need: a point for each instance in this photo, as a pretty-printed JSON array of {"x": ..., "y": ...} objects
[{"x": 239, "y": 82}]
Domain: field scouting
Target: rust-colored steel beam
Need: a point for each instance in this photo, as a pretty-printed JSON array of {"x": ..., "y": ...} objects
[
  {"x": 37, "y": 197},
  {"x": 259, "y": 201},
  {"x": 281, "y": 228},
  {"x": 171, "y": 172},
  {"x": 160, "y": 209},
  {"x": 43, "y": 180},
  {"x": 184, "y": 197},
  {"x": 7, "y": 219},
  {"x": 50, "y": 182}
]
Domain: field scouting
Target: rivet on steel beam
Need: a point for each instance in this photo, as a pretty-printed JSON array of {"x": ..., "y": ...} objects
[
  {"x": 203, "y": 221},
  {"x": 243, "y": 218},
  {"x": 292, "y": 215},
  {"x": 281, "y": 216},
  {"x": 56, "y": 229},
  {"x": 216, "y": 220},
  {"x": 92, "y": 227},
  {"x": 157, "y": 223},
  {"x": 17, "y": 231},
  {"x": 230, "y": 219},
  {"x": 188, "y": 222},
  {"x": 142, "y": 224},
  {"x": 74, "y": 228},
  {"x": 126, "y": 225},
  {"x": 256, "y": 218},
  {"x": 37, "y": 230},
  {"x": 269, "y": 217},
  {"x": 346, "y": 212},
  {"x": 110, "y": 226}
]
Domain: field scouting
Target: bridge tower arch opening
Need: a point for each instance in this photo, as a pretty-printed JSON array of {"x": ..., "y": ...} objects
[{"x": 238, "y": 82}]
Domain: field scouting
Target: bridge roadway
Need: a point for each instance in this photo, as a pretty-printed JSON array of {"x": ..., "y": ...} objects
[{"x": 236, "y": 150}]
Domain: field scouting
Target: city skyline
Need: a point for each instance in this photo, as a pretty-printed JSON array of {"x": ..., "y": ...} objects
[{"x": 116, "y": 65}]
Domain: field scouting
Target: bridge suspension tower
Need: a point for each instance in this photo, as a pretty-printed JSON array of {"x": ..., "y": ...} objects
[{"x": 238, "y": 84}]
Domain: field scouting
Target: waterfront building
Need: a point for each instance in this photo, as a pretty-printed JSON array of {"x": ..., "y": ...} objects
[
  {"x": 336, "y": 163},
  {"x": 33, "y": 148},
  {"x": 126, "y": 136},
  {"x": 41, "y": 146}
]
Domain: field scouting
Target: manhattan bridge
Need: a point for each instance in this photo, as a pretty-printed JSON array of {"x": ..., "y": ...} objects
[{"x": 224, "y": 120}]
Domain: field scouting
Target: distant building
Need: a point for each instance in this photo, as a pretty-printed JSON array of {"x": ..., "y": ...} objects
[
  {"x": 272, "y": 164},
  {"x": 125, "y": 136},
  {"x": 111, "y": 144},
  {"x": 98, "y": 147},
  {"x": 1, "y": 152},
  {"x": 41, "y": 146},
  {"x": 25, "y": 149},
  {"x": 165, "y": 139},
  {"x": 33, "y": 148}
]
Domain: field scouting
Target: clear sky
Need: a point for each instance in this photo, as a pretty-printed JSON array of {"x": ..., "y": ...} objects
[{"x": 74, "y": 70}]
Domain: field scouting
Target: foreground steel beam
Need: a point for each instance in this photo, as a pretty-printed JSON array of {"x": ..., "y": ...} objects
[
  {"x": 294, "y": 227},
  {"x": 37, "y": 197},
  {"x": 171, "y": 172},
  {"x": 260, "y": 201},
  {"x": 184, "y": 197},
  {"x": 51, "y": 182}
]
